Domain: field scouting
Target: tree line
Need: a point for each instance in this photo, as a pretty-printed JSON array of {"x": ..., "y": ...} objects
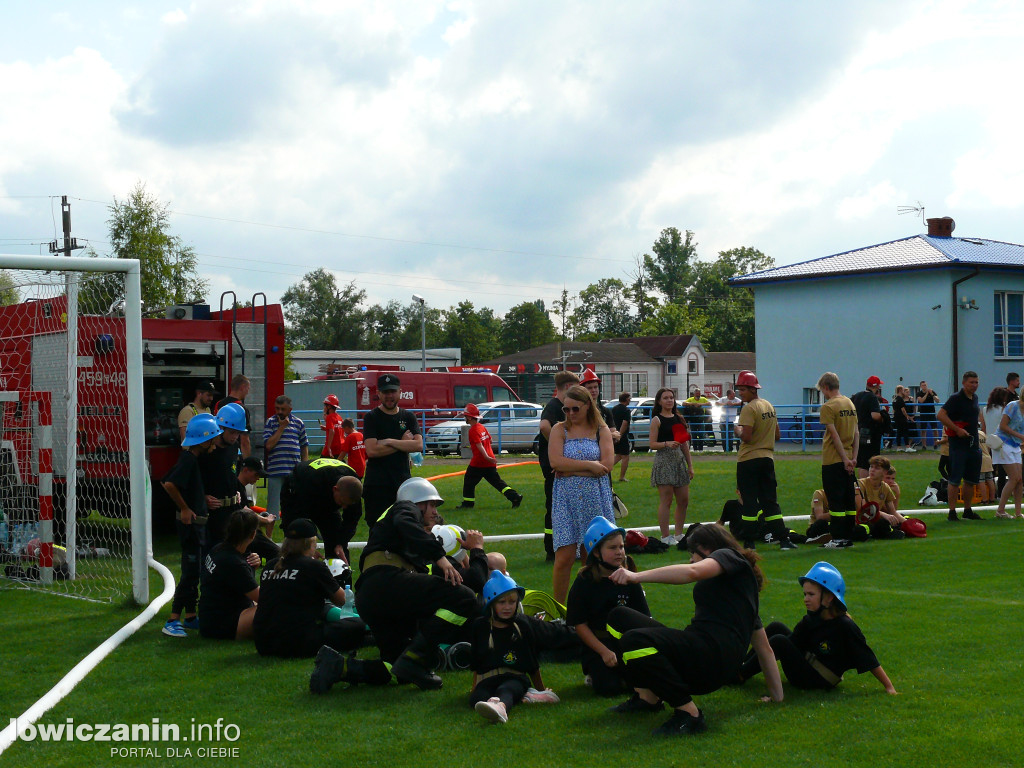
[{"x": 670, "y": 291}]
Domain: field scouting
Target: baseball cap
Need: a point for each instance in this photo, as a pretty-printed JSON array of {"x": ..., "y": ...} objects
[
  {"x": 388, "y": 383},
  {"x": 207, "y": 387},
  {"x": 254, "y": 464},
  {"x": 874, "y": 381},
  {"x": 300, "y": 528}
]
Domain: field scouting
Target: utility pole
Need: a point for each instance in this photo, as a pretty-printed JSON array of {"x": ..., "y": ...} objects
[{"x": 70, "y": 243}]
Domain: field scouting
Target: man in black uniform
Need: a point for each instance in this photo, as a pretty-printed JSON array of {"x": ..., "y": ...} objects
[
  {"x": 316, "y": 490},
  {"x": 390, "y": 434},
  {"x": 621, "y": 417},
  {"x": 959, "y": 415},
  {"x": 399, "y": 599},
  {"x": 869, "y": 422},
  {"x": 220, "y": 483},
  {"x": 238, "y": 390},
  {"x": 551, "y": 415}
]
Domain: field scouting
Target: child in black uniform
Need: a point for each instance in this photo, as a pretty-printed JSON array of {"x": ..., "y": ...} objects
[
  {"x": 593, "y": 596},
  {"x": 826, "y": 642},
  {"x": 505, "y": 657},
  {"x": 229, "y": 588}
]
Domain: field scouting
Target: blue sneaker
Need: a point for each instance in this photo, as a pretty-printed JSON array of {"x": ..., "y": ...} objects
[
  {"x": 173, "y": 628},
  {"x": 192, "y": 623}
]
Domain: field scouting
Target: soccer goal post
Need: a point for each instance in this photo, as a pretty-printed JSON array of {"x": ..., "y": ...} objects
[{"x": 74, "y": 502}]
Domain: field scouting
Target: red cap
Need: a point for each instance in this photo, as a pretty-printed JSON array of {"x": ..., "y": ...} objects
[{"x": 874, "y": 381}]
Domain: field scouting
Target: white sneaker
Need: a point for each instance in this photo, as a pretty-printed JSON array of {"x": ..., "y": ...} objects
[
  {"x": 492, "y": 710},
  {"x": 547, "y": 696},
  {"x": 670, "y": 540}
]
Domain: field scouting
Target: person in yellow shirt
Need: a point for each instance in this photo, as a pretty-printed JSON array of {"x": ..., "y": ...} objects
[
  {"x": 758, "y": 430},
  {"x": 874, "y": 490},
  {"x": 839, "y": 446}
]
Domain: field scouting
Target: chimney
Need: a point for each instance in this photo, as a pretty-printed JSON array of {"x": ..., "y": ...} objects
[{"x": 941, "y": 227}]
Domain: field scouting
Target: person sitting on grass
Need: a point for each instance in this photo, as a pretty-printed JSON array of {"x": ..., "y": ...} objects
[
  {"x": 291, "y": 618},
  {"x": 228, "y": 588},
  {"x": 591, "y": 599},
  {"x": 873, "y": 490},
  {"x": 825, "y": 643},
  {"x": 671, "y": 665},
  {"x": 505, "y": 656}
]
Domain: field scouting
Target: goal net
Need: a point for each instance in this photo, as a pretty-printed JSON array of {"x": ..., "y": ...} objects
[{"x": 74, "y": 512}]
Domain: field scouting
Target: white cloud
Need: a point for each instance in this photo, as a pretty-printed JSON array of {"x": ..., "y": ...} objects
[{"x": 177, "y": 16}]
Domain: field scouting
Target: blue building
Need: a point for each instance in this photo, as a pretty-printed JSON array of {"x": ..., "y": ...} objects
[{"x": 927, "y": 307}]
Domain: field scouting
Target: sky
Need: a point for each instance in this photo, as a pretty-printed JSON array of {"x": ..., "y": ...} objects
[{"x": 499, "y": 151}]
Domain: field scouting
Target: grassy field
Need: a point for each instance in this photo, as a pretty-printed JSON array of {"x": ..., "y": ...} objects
[{"x": 943, "y": 614}]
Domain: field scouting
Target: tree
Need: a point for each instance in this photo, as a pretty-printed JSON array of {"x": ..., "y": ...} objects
[
  {"x": 563, "y": 308},
  {"x": 322, "y": 316},
  {"x": 729, "y": 310},
  {"x": 641, "y": 291},
  {"x": 8, "y": 290},
  {"x": 476, "y": 332},
  {"x": 526, "y": 326},
  {"x": 603, "y": 311},
  {"x": 674, "y": 319},
  {"x": 670, "y": 269}
]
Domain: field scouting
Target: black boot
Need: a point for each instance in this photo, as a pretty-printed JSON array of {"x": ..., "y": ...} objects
[
  {"x": 516, "y": 499},
  {"x": 410, "y": 670},
  {"x": 328, "y": 669}
]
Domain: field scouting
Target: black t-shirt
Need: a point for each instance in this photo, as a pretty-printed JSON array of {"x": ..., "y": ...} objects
[
  {"x": 552, "y": 414},
  {"x": 232, "y": 399},
  {"x": 217, "y": 469},
  {"x": 838, "y": 643},
  {"x": 620, "y": 415},
  {"x": 963, "y": 410},
  {"x": 591, "y": 600},
  {"x": 867, "y": 403},
  {"x": 307, "y": 490},
  {"x": 665, "y": 433},
  {"x": 291, "y": 601},
  {"x": 926, "y": 407},
  {"x": 606, "y": 415},
  {"x": 726, "y": 606},
  {"x": 224, "y": 580},
  {"x": 512, "y": 649},
  {"x": 391, "y": 470},
  {"x": 898, "y": 407},
  {"x": 185, "y": 476}
]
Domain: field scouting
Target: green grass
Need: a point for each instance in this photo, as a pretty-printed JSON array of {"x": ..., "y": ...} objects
[{"x": 943, "y": 614}]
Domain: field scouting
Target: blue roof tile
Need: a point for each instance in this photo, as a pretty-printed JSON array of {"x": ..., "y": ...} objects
[{"x": 917, "y": 252}]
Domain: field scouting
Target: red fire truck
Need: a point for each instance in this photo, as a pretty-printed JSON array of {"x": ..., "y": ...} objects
[{"x": 190, "y": 347}]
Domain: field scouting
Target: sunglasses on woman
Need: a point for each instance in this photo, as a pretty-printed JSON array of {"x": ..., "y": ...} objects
[{"x": 571, "y": 408}]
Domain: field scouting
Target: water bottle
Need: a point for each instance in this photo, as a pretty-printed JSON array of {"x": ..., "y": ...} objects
[
  {"x": 416, "y": 458},
  {"x": 349, "y": 609}
]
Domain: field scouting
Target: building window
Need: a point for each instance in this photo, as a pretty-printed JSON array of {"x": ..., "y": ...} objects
[
  {"x": 691, "y": 365},
  {"x": 812, "y": 397},
  {"x": 672, "y": 368},
  {"x": 1009, "y": 324}
]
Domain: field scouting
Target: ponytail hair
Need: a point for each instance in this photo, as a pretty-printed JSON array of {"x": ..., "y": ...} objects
[
  {"x": 241, "y": 526},
  {"x": 293, "y": 548},
  {"x": 712, "y": 537}
]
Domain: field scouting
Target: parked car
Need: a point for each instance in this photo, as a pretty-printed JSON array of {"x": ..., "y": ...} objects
[{"x": 514, "y": 426}]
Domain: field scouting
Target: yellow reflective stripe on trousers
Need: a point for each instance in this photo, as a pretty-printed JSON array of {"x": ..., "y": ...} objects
[
  {"x": 451, "y": 618},
  {"x": 384, "y": 514},
  {"x": 773, "y": 517},
  {"x": 613, "y": 632},
  {"x": 639, "y": 653},
  {"x": 549, "y": 531}
]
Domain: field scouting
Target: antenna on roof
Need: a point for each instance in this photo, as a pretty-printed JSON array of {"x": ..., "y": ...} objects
[{"x": 919, "y": 208}]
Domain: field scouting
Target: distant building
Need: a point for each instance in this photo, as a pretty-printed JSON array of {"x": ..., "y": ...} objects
[{"x": 927, "y": 307}]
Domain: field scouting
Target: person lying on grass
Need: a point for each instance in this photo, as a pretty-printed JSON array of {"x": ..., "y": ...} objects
[{"x": 825, "y": 643}]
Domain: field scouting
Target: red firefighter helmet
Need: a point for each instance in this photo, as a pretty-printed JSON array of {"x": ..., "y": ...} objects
[
  {"x": 471, "y": 411},
  {"x": 747, "y": 379},
  {"x": 868, "y": 514},
  {"x": 332, "y": 400},
  {"x": 915, "y": 528},
  {"x": 589, "y": 375},
  {"x": 636, "y": 538}
]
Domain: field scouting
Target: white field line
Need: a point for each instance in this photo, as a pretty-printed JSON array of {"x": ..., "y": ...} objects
[{"x": 67, "y": 684}]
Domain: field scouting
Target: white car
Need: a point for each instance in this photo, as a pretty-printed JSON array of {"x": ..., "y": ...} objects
[
  {"x": 640, "y": 410},
  {"x": 514, "y": 426}
]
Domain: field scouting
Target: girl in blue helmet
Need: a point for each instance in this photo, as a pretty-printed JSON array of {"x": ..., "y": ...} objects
[
  {"x": 591, "y": 599},
  {"x": 826, "y": 642},
  {"x": 505, "y": 657}
]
